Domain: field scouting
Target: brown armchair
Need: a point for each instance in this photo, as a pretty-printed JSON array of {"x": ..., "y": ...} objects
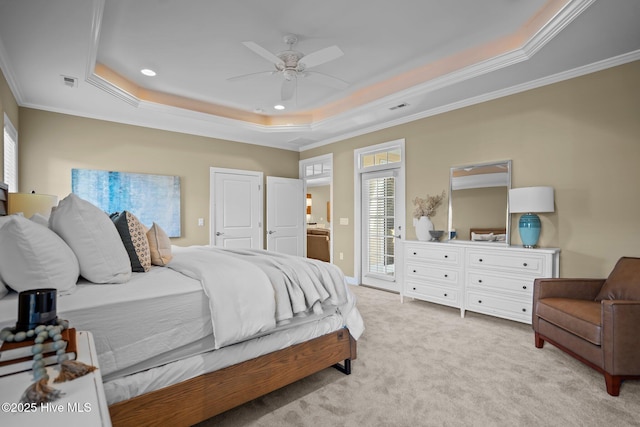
[{"x": 597, "y": 321}]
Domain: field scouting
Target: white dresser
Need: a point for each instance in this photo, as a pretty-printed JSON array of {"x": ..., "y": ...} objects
[{"x": 494, "y": 280}]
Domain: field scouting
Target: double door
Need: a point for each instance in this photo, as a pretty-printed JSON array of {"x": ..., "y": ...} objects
[{"x": 236, "y": 211}]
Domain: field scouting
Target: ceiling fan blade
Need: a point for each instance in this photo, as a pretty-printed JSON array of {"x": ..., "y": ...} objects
[
  {"x": 326, "y": 79},
  {"x": 321, "y": 56},
  {"x": 250, "y": 76},
  {"x": 263, "y": 52},
  {"x": 288, "y": 88}
]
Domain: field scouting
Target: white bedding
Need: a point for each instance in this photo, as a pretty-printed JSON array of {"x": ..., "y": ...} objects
[
  {"x": 129, "y": 321},
  {"x": 251, "y": 290},
  {"x": 261, "y": 300}
]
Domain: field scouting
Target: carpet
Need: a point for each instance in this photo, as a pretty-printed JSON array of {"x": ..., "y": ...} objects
[{"x": 421, "y": 364}]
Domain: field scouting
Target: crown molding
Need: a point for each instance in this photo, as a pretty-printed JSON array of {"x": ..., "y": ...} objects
[
  {"x": 9, "y": 75},
  {"x": 544, "y": 81}
]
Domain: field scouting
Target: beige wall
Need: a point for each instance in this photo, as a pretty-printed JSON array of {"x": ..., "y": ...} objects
[
  {"x": 320, "y": 196},
  {"x": 51, "y": 144},
  {"x": 581, "y": 136}
]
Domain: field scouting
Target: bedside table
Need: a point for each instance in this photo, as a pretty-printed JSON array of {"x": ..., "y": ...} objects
[{"x": 83, "y": 402}]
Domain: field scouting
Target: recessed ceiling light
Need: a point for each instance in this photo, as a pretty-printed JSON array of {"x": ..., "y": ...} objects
[
  {"x": 148, "y": 72},
  {"x": 279, "y": 107}
]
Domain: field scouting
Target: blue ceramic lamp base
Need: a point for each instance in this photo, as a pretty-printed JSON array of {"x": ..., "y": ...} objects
[{"x": 529, "y": 227}]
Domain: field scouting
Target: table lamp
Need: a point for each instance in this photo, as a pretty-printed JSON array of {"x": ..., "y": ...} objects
[
  {"x": 31, "y": 203},
  {"x": 529, "y": 201}
]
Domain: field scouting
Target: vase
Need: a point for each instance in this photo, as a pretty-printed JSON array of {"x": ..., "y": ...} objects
[{"x": 423, "y": 225}]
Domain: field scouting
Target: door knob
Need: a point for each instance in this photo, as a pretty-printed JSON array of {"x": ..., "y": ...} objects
[
  {"x": 218, "y": 233},
  {"x": 271, "y": 231}
]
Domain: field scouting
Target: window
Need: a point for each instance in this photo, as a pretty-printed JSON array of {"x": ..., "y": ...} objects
[{"x": 10, "y": 155}]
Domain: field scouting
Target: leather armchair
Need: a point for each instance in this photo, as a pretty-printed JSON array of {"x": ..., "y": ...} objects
[{"x": 597, "y": 321}]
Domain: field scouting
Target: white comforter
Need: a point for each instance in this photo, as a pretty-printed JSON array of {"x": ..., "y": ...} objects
[{"x": 251, "y": 291}]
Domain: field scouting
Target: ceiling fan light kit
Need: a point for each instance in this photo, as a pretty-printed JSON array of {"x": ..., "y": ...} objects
[{"x": 291, "y": 63}]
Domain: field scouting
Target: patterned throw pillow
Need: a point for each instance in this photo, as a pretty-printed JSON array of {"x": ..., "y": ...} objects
[
  {"x": 160, "y": 245},
  {"x": 133, "y": 237}
]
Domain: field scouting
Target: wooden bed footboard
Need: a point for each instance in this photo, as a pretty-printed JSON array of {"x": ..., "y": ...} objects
[{"x": 200, "y": 398}]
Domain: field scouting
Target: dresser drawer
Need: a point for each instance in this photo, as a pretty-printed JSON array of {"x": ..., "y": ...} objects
[
  {"x": 533, "y": 264},
  {"x": 445, "y": 255},
  {"x": 522, "y": 285},
  {"x": 429, "y": 272},
  {"x": 514, "y": 309},
  {"x": 434, "y": 293}
]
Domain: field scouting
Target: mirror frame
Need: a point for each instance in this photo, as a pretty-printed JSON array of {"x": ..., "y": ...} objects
[{"x": 507, "y": 241}]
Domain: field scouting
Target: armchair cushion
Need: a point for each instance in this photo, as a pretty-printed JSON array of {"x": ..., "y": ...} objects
[
  {"x": 624, "y": 281},
  {"x": 580, "y": 317}
]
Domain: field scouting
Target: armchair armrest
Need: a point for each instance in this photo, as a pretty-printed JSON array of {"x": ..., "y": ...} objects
[
  {"x": 620, "y": 337},
  {"x": 586, "y": 289}
]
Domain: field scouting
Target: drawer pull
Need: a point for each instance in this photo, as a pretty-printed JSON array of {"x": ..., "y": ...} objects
[
  {"x": 446, "y": 275},
  {"x": 446, "y": 256},
  {"x": 524, "y": 310},
  {"x": 524, "y": 287},
  {"x": 414, "y": 271},
  {"x": 479, "y": 301},
  {"x": 524, "y": 264},
  {"x": 414, "y": 288},
  {"x": 415, "y": 253},
  {"x": 480, "y": 260},
  {"x": 479, "y": 280},
  {"x": 445, "y": 295}
]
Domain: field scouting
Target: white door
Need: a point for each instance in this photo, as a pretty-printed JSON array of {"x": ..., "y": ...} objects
[
  {"x": 236, "y": 212},
  {"x": 285, "y": 215},
  {"x": 379, "y": 229}
]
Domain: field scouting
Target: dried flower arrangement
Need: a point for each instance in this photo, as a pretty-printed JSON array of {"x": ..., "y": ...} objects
[{"x": 427, "y": 206}]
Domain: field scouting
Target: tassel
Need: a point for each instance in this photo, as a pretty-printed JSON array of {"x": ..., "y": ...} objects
[
  {"x": 72, "y": 369},
  {"x": 40, "y": 392}
]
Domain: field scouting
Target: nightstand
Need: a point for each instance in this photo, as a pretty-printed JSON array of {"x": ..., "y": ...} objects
[{"x": 83, "y": 403}]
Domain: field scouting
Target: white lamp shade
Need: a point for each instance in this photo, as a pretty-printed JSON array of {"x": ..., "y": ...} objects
[
  {"x": 31, "y": 203},
  {"x": 531, "y": 200}
]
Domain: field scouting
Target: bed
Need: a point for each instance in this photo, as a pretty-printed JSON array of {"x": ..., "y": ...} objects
[{"x": 207, "y": 331}]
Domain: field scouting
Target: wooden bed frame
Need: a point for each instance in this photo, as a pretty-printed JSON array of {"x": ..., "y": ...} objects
[
  {"x": 200, "y": 398},
  {"x": 205, "y": 396}
]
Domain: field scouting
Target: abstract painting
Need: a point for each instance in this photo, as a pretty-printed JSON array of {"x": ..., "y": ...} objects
[{"x": 151, "y": 198}]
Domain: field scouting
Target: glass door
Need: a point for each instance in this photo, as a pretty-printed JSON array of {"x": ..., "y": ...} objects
[{"x": 379, "y": 229}]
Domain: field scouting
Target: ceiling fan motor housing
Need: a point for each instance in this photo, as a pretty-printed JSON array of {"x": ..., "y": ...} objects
[{"x": 290, "y": 60}]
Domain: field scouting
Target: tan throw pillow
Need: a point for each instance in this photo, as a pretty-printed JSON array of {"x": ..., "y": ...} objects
[
  {"x": 159, "y": 245},
  {"x": 134, "y": 239},
  {"x": 624, "y": 281}
]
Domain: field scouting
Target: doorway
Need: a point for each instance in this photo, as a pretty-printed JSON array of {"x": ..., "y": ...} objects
[
  {"x": 380, "y": 207},
  {"x": 236, "y": 208},
  {"x": 317, "y": 176}
]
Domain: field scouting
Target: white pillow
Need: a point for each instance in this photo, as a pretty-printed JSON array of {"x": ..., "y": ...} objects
[
  {"x": 40, "y": 219},
  {"x": 32, "y": 257},
  {"x": 93, "y": 238}
]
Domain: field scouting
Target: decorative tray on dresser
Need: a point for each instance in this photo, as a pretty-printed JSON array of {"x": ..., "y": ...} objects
[{"x": 488, "y": 279}]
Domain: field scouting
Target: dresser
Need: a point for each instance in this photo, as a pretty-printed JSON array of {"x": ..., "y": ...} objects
[{"x": 493, "y": 280}]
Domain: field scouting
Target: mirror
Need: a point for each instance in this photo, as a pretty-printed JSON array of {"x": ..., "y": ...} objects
[{"x": 478, "y": 202}]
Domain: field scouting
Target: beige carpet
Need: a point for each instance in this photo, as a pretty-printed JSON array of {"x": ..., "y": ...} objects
[{"x": 421, "y": 364}]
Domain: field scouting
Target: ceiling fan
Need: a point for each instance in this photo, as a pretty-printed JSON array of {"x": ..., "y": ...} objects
[{"x": 292, "y": 64}]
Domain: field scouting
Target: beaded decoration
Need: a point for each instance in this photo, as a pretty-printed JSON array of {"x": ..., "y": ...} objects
[
  {"x": 41, "y": 334},
  {"x": 40, "y": 391}
]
